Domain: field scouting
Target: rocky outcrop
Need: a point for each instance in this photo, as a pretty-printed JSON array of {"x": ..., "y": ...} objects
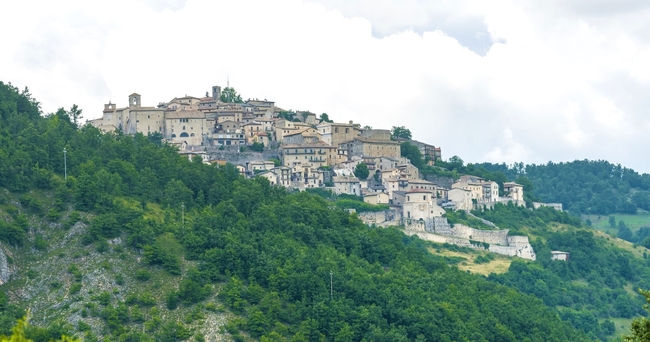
[{"x": 6, "y": 270}]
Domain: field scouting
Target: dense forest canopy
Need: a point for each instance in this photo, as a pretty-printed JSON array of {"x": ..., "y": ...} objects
[
  {"x": 270, "y": 251},
  {"x": 583, "y": 186}
]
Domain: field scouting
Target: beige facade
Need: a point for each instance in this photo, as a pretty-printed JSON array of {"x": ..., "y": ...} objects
[
  {"x": 514, "y": 191},
  {"x": 462, "y": 198},
  {"x": 251, "y": 129},
  {"x": 347, "y": 185},
  {"x": 421, "y": 204},
  {"x": 283, "y": 175},
  {"x": 189, "y": 126},
  {"x": 270, "y": 176},
  {"x": 376, "y": 198},
  {"x": 132, "y": 119},
  {"x": 316, "y": 154},
  {"x": 475, "y": 189},
  {"x": 490, "y": 191},
  {"x": 363, "y": 147},
  {"x": 336, "y": 133},
  {"x": 420, "y": 184}
]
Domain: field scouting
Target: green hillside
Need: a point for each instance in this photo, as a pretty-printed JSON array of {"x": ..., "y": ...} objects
[
  {"x": 583, "y": 186},
  {"x": 110, "y": 254}
]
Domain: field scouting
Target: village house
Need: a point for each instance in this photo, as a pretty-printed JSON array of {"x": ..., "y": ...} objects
[
  {"x": 250, "y": 129},
  {"x": 270, "y": 176},
  {"x": 208, "y": 103},
  {"x": 372, "y": 143},
  {"x": 397, "y": 198},
  {"x": 346, "y": 185},
  {"x": 376, "y": 198},
  {"x": 283, "y": 175},
  {"x": 255, "y": 167},
  {"x": 317, "y": 154},
  {"x": 412, "y": 184},
  {"x": 462, "y": 198},
  {"x": 514, "y": 191},
  {"x": 306, "y": 176},
  {"x": 421, "y": 205},
  {"x": 307, "y": 117},
  {"x": 189, "y": 126},
  {"x": 490, "y": 191},
  {"x": 559, "y": 255},
  {"x": 335, "y": 133},
  {"x": 302, "y": 136}
]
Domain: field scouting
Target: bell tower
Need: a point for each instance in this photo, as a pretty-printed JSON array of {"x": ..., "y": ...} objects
[{"x": 134, "y": 100}]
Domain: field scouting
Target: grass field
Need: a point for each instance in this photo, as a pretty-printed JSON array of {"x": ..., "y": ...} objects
[
  {"x": 634, "y": 222},
  {"x": 499, "y": 265}
]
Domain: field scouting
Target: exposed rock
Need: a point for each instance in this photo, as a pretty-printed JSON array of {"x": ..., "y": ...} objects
[{"x": 6, "y": 270}]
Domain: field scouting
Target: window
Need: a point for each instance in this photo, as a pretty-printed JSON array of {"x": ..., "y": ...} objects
[
  {"x": 424, "y": 197},
  {"x": 408, "y": 198},
  {"x": 347, "y": 130},
  {"x": 336, "y": 130}
]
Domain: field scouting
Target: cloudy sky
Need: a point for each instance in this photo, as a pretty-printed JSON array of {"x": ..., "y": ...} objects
[{"x": 499, "y": 81}]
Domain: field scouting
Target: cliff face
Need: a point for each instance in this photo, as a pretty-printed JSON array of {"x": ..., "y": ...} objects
[{"x": 6, "y": 269}]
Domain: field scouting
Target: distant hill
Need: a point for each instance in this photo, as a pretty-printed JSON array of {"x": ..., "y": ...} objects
[{"x": 584, "y": 186}]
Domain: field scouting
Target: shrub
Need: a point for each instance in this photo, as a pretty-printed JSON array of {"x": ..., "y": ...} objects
[{"x": 142, "y": 275}]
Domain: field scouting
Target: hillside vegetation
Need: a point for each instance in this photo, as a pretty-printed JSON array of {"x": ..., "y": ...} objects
[
  {"x": 584, "y": 186},
  {"x": 133, "y": 218},
  {"x": 595, "y": 288}
]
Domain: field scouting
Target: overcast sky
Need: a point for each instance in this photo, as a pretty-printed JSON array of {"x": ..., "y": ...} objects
[{"x": 499, "y": 81}]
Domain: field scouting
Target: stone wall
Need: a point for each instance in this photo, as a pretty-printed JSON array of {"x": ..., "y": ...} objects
[
  {"x": 441, "y": 182},
  {"x": 241, "y": 158},
  {"x": 440, "y": 231},
  {"x": 384, "y": 218}
]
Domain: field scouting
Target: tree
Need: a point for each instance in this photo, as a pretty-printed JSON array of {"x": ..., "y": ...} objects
[
  {"x": 361, "y": 171},
  {"x": 624, "y": 231},
  {"x": 455, "y": 163},
  {"x": 412, "y": 153},
  {"x": 640, "y": 326},
  {"x": 400, "y": 132},
  {"x": 325, "y": 118},
  {"x": 75, "y": 114},
  {"x": 229, "y": 95},
  {"x": 612, "y": 221},
  {"x": 257, "y": 147}
]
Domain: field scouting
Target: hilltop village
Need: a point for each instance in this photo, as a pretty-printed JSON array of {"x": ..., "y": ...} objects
[{"x": 301, "y": 150}]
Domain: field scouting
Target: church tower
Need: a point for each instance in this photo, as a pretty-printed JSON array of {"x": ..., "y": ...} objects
[{"x": 134, "y": 100}]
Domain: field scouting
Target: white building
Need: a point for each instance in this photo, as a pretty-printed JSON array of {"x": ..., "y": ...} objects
[{"x": 421, "y": 204}]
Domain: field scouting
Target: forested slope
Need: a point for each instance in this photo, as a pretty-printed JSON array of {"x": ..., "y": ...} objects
[
  {"x": 266, "y": 254},
  {"x": 584, "y": 186}
]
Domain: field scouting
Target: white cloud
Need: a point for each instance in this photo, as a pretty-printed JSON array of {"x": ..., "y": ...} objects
[{"x": 533, "y": 81}]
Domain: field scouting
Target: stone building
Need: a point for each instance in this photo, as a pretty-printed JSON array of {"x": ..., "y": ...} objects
[
  {"x": 376, "y": 198},
  {"x": 462, "y": 198},
  {"x": 317, "y": 154},
  {"x": 189, "y": 126},
  {"x": 514, "y": 191},
  {"x": 421, "y": 204},
  {"x": 132, "y": 119},
  {"x": 335, "y": 133},
  {"x": 346, "y": 185},
  {"x": 364, "y": 147}
]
